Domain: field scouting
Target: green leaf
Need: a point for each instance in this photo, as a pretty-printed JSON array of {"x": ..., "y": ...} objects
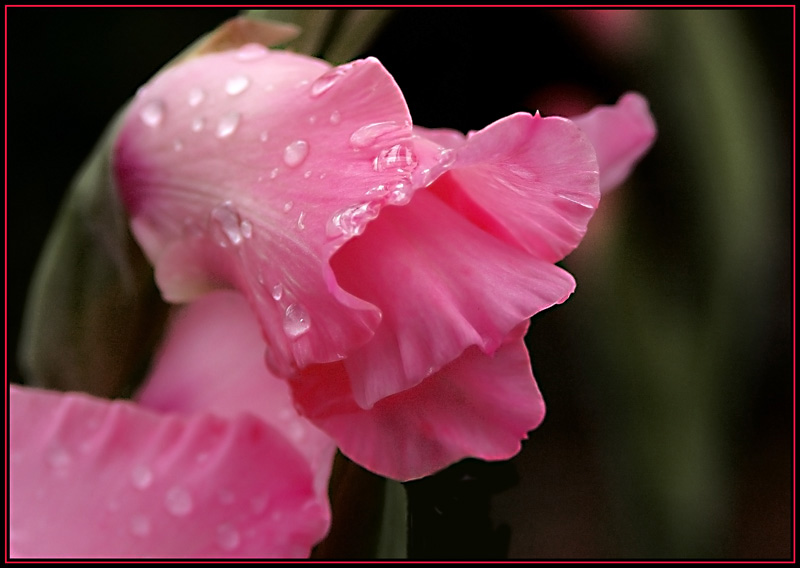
[{"x": 93, "y": 312}]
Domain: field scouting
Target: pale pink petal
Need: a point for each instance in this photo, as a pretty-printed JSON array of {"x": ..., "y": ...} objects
[
  {"x": 212, "y": 361},
  {"x": 444, "y": 137},
  {"x": 477, "y": 406},
  {"x": 528, "y": 180},
  {"x": 250, "y": 172},
  {"x": 621, "y": 134},
  {"x": 93, "y": 478},
  {"x": 443, "y": 285}
]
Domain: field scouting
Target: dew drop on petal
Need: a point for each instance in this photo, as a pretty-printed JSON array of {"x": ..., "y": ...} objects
[
  {"x": 335, "y": 117},
  {"x": 277, "y": 292},
  {"x": 227, "y": 124},
  {"x": 141, "y": 477},
  {"x": 226, "y": 226},
  {"x": 399, "y": 193},
  {"x": 352, "y": 221},
  {"x": 228, "y": 537},
  {"x": 370, "y": 133},
  {"x": 274, "y": 173},
  {"x": 178, "y": 502},
  {"x": 295, "y": 153},
  {"x": 246, "y": 228},
  {"x": 288, "y": 206},
  {"x": 307, "y": 174},
  {"x": 196, "y": 96},
  {"x": 301, "y": 220},
  {"x": 296, "y": 321},
  {"x": 198, "y": 124},
  {"x": 312, "y": 119},
  {"x": 140, "y": 525},
  {"x": 397, "y": 158},
  {"x": 237, "y": 84},
  {"x": 326, "y": 81},
  {"x": 152, "y": 114},
  {"x": 251, "y": 51},
  {"x": 447, "y": 157}
]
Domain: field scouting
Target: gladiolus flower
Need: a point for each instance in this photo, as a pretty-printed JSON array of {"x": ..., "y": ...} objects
[
  {"x": 392, "y": 269},
  {"x": 212, "y": 462}
]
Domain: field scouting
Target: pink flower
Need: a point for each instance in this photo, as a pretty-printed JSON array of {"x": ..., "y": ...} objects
[
  {"x": 392, "y": 268},
  {"x": 213, "y": 461}
]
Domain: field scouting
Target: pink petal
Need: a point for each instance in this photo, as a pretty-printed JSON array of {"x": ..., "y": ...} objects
[
  {"x": 443, "y": 285},
  {"x": 621, "y": 135},
  {"x": 528, "y": 180},
  {"x": 212, "y": 361},
  {"x": 478, "y": 406},
  {"x": 93, "y": 478},
  {"x": 250, "y": 173},
  {"x": 444, "y": 137}
]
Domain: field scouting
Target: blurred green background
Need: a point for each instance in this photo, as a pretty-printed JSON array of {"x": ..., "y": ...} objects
[{"x": 669, "y": 375}]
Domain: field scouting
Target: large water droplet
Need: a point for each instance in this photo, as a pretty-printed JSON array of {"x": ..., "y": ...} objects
[
  {"x": 251, "y": 51},
  {"x": 237, "y": 84},
  {"x": 140, "y": 525},
  {"x": 277, "y": 292},
  {"x": 398, "y": 158},
  {"x": 59, "y": 460},
  {"x": 326, "y": 81},
  {"x": 296, "y": 321},
  {"x": 196, "y": 96},
  {"x": 399, "y": 193},
  {"x": 141, "y": 477},
  {"x": 228, "y": 537},
  {"x": 198, "y": 124},
  {"x": 178, "y": 502},
  {"x": 352, "y": 221},
  {"x": 152, "y": 114},
  {"x": 227, "y": 124},
  {"x": 226, "y": 226},
  {"x": 371, "y": 133},
  {"x": 295, "y": 153}
]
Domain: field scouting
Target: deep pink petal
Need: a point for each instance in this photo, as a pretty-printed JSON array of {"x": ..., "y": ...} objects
[
  {"x": 212, "y": 360},
  {"x": 250, "y": 172},
  {"x": 93, "y": 478},
  {"x": 621, "y": 134},
  {"x": 528, "y": 180},
  {"x": 478, "y": 406},
  {"x": 443, "y": 285}
]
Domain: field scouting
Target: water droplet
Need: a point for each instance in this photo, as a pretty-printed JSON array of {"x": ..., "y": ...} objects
[
  {"x": 378, "y": 190},
  {"x": 325, "y": 82},
  {"x": 370, "y": 133},
  {"x": 226, "y": 225},
  {"x": 59, "y": 460},
  {"x": 307, "y": 174},
  {"x": 398, "y": 158},
  {"x": 447, "y": 157},
  {"x": 228, "y": 537},
  {"x": 312, "y": 119},
  {"x": 274, "y": 173},
  {"x": 177, "y": 145},
  {"x": 295, "y": 153},
  {"x": 196, "y": 96},
  {"x": 288, "y": 206},
  {"x": 399, "y": 193},
  {"x": 178, "y": 502},
  {"x": 140, "y": 525},
  {"x": 259, "y": 504},
  {"x": 322, "y": 175},
  {"x": 251, "y": 51},
  {"x": 277, "y": 292},
  {"x": 237, "y": 84},
  {"x": 264, "y": 136},
  {"x": 152, "y": 114},
  {"x": 301, "y": 220},
  {"x": 296, "y": 321},
  {"x": 141, "y": 477},
  {"x": 227, "y": 124},
  {"x": 336, "y": 117},
  {"x": 198, "y": 124},
  {"x": 352, "y": 221},
  {"x": 246, "y": 229}
]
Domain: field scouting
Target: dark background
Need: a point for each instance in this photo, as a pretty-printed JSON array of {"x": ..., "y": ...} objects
[{"x": 673, "y": 442}]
